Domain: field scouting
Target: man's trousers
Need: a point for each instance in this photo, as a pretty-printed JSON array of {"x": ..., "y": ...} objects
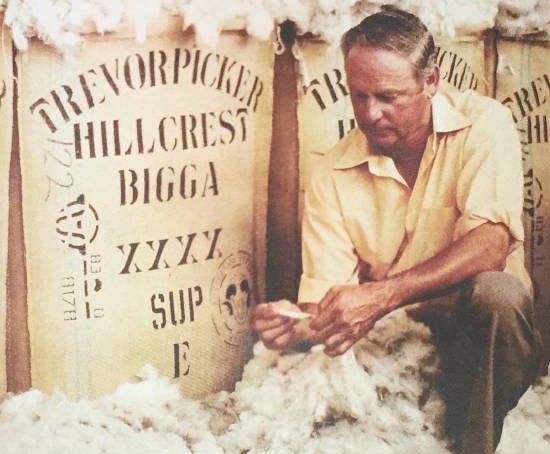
[{"x": 490, "y": 353}]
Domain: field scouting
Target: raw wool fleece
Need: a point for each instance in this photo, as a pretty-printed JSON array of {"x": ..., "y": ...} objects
[
  {"x": 58, "y": 22},
  {"x": 146, "y": 417},
  {"x": 525, "y": 17},
  {"x": 300, "y": 402},
  {"x": 527, "y": 427},
  {"x": 378, "y": 398}
]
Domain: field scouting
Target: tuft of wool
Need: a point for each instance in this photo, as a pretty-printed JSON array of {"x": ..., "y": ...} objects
[
  {"x": 504, "y": 66},
  {"x": 521, "y": 18},
  {"x": 59, "y": 22},
  {"x": 527, "y": 427},
  {"x": 373, "y": 396},
  {"x": 378, "y": 397},
  {"x": 36, "y": 423}
]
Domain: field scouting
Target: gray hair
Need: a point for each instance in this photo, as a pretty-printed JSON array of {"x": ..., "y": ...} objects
[{"x": 398, "y": 31}]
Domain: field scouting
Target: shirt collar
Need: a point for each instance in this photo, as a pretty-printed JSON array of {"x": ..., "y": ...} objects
[
  {"x": 356, "y": 151},
  {"x": 445, "y": 117}
]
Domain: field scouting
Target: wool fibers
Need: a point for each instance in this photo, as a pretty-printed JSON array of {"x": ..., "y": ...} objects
[
  {"x": 374, "y": 396},
  {"x": 526, "y": 17},
  {"x": 379, "y": 397},
  {"x": 527, "y": 427},
  {"x": 60, "y": 22}
]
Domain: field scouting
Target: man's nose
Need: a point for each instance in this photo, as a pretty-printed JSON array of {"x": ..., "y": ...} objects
[{"x": 372, "y": 111}]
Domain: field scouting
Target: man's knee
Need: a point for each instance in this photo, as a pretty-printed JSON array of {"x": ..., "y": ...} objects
[{"x": 495, "y": 293}]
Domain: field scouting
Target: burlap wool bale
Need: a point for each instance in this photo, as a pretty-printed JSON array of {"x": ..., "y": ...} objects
[
  {"x": 144, "y": 172},
  {"x": 6, "y": 114},
  {"x": 325, "y": 114},
  {"x": 523, "y": 85}
]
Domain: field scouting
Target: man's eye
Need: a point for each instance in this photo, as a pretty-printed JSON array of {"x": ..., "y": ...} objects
[{"x": 387, "y": 98}]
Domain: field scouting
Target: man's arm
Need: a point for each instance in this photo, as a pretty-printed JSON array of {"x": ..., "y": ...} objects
[
  {"x": 348, "y": 312},
  {"x": 484, "y": 248},
  {"x": 328, "y": 257}
]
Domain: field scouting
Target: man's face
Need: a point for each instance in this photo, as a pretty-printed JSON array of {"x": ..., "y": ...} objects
[{"x": 389, "y": 103}]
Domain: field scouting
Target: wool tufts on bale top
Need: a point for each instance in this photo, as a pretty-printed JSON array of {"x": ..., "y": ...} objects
[{"x": 62, "y": 23}]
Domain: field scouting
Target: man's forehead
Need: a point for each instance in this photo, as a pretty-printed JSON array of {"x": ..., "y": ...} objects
[
  {"x": 376, "y": 56},
  {"x": 385, "y": 66}
]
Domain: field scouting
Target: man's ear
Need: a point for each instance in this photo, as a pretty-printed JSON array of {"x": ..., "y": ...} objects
[{"x": 431, "y": 83}]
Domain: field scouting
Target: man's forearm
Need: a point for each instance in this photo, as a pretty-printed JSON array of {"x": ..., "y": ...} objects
[{"x": 483, "y": 249}]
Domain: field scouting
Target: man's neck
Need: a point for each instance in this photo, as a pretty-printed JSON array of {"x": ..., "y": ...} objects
[{"x": 407, "y": 157}]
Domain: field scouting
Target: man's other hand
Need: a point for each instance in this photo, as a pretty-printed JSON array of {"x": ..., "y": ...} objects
[
  {"x": 348, "y": 312},
  {"x": 276, "y": 331}
]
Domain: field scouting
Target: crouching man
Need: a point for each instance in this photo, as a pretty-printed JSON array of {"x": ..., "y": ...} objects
[{"x": 421, "y": 204}]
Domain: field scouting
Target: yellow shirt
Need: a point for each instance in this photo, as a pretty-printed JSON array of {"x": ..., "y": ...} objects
[{"x": 361, "y": 218}]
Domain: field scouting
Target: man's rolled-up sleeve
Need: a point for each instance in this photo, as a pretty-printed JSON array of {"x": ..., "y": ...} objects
[
  {"x": 490, "y": 183},
  {"x": 328, "y": 255}
]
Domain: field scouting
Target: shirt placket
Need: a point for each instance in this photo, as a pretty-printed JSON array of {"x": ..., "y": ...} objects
[{"x": 419, "y": 189}]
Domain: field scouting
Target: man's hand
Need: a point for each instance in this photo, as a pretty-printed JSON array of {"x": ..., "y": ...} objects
[
  {"x": 348, "y": 312},
  {"x": 279, "y": 332}
]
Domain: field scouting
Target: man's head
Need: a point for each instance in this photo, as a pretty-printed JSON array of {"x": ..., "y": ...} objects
[{"x": 392, "y": 75}]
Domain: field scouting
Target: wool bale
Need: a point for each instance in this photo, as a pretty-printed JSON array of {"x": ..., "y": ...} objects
[
  {"x": 144, "y": 173},
  {"x": 523, "y": 85}
]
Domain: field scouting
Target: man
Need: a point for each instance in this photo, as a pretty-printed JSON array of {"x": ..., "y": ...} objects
[{"x": 422, "y": 203}]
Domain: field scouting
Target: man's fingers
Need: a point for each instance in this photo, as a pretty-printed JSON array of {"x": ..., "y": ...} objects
[
  {"x": 328, "y": 331},
  {"x": 324, "y": 320},
  {"x": 340, "y": 349},
  {"x": 327, "y": 298},
  {"x": 334, "y": 340},
  {"x": 310, "y": 308},
  {"x": 263, "y": 324},
  {"x": 268, "y": 336},
  {"x": 280, "y": 342},
  {"x": 265, "y": 311},
  {"x": 324, "y": 315},
  {"x": 266, "y": 316}
]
